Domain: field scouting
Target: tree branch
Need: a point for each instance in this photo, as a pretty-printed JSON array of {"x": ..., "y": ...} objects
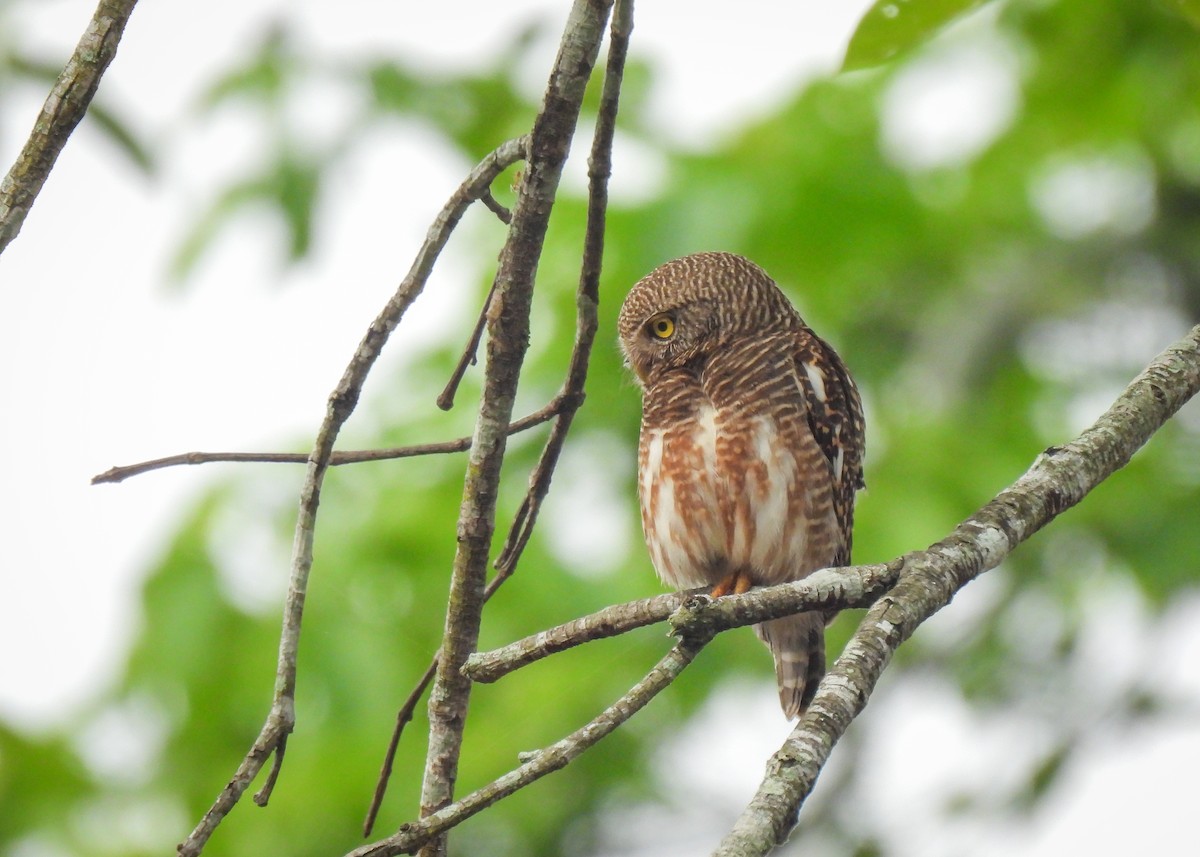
[
  {"x": 403, "y": 716},
  {"x": 1058, "y": 479},
  {"x": 508, "y": 329},
  {"x": 281, "y": 719},
  {"x": 487, "y": 667},
  {"x": 536, "y": 765},
  {"x": 571, "y": 394},
  {"x": 65, "y": 106},
  {"x": 123, "y": 472},
  {"x": 692, "y": 613}
]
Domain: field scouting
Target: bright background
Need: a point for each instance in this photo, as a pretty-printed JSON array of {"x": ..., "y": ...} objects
[{"x": 997, "y": 257}]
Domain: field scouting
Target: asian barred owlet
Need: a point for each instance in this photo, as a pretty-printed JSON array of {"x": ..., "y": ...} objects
[{"x": 751, "y": 444}]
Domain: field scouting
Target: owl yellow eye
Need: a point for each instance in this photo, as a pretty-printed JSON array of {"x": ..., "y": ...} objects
[{"x": 661, "y": 327}]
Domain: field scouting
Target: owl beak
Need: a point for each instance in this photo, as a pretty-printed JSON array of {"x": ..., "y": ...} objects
[{"x": 638, "y": 369}]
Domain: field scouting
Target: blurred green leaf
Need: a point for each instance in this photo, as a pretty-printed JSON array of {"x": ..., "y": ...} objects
[
  {"x": 477, "y": 112},
  {"x": 892, "y": 26},
  {"x": 289, "y": 188},
  {"x": 1044, "y": 777},
  {"x": 1189, "y": 9},
  {"x": 264, "y": 77},
  {"x": 123, "y": 137}
]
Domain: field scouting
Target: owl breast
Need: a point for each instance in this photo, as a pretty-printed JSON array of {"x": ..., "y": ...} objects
[{"x": 721, "y": 489}]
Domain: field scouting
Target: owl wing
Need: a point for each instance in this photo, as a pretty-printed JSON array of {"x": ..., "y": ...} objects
[{"x": 836, "y": 419}]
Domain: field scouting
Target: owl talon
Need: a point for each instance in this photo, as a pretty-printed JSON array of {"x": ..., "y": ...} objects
[{"x": 734, "y": 584}]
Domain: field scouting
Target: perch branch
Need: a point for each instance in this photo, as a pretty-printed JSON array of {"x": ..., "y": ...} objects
[
  {"x": 508, "y": 337},
  {"x": 536, "y": 765},
  {"x": 487, "y": 667},
  {"x": 272, "y": 740},
  {"x": 828, "y": 590},
  {"x": 123, "y": 472},
  {"x": 65, "y": 106},
  {"x": 692, "y": 613},
  {"x": 1058, "y": 479}
]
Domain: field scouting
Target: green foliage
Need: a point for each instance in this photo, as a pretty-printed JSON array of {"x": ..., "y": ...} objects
[
  {"x": 475, "y": 112},
  {"x": 1189, "y": 9},
  {"x": 289, "y": 185},
  {"x": 892, "y": 26},
  {"x": 981, "y": 331}
]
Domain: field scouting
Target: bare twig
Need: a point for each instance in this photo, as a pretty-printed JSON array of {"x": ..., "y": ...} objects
[
  {"x": 403, "y": 716},
  {"x": 461, "y": 444},
  {"x": 445, "y": 399},
  {"x": 1058, "y": 479},
  {"x": 281, "y": 719},
  {"x": 496, "y": 208},
  {"x": 587, "y": 296},
  {"x": 508, "y": 329},
  {"x": 66, "y": 104},
  {"x": 534, "y": 766}
]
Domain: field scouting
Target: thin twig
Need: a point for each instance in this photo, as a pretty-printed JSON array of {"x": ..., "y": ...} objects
[
  {"x": 445, "y": 400},
  {"x": 469, "y": 356},
  {"x": 123, "y": 472},
  {"x": 1057, "y": 480},
  {"x": 65, "y": 105},
  {"x": 281, "y": 719},
  {"x": 413, "y": 835},
  {"x": 508, "y": 340},
  {"x": 587, "y": 296},
  {"x": 496, "y": 208},
  {"x": 403, "y": 716}
]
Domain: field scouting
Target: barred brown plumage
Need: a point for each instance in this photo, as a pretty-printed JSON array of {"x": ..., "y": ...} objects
[{"x": 751, "y": 444}]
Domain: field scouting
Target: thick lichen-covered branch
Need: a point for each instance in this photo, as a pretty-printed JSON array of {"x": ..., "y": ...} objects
[{"x": 1058, "y": 479}]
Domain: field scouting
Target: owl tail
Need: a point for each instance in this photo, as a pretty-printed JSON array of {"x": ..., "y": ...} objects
[{"x": 798, "y": 644}]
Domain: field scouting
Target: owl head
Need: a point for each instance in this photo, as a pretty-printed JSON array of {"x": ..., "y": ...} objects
[{"x": 689, "y": 308}]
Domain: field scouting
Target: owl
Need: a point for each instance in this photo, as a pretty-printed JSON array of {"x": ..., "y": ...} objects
[{"x": 751, "y": 444}]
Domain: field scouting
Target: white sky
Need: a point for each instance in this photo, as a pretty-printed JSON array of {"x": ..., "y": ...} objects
[{"x": 100, "y": 363}]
